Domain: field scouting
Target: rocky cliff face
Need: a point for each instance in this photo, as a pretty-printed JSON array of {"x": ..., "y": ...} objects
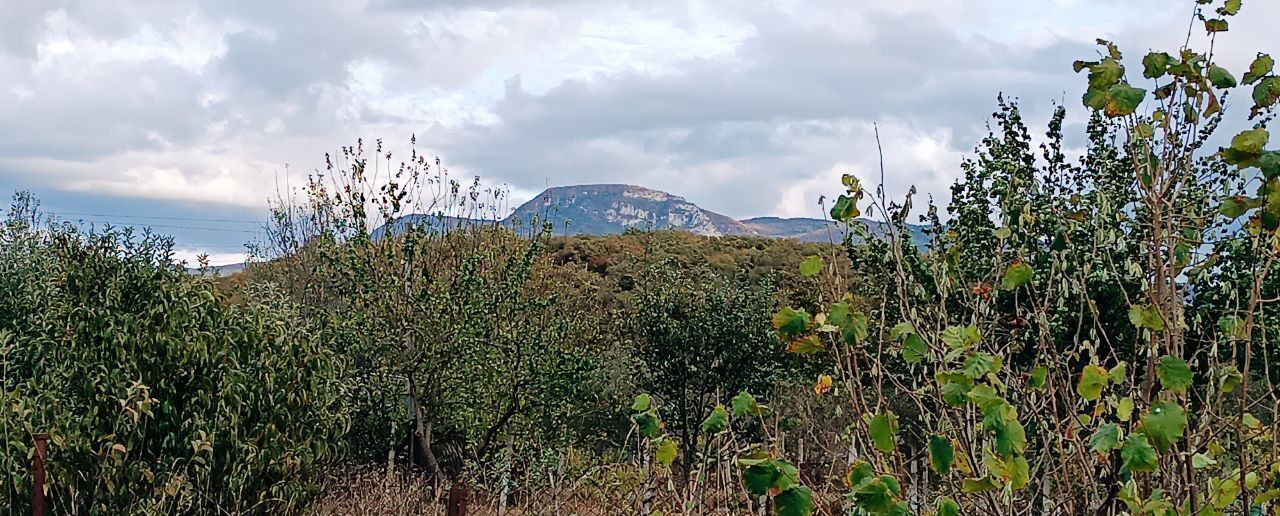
[
  {"x": 611, "y": 209},
  {"x": 614, "y": 208}
]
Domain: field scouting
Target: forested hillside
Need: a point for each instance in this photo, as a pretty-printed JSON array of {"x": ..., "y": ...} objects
[{"x": 1069, "y": 334}]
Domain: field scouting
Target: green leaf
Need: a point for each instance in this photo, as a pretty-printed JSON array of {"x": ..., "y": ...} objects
[
  {"x": 1201, "y": 461},
  {"x": 1156, "y": 65},
  {"x": 1251, "y": 142},
  {"x": 1230, "y": 8},
  {"x": 1146, "y": 316},
  {"x": 665, "y": 452},
  {"x": 1018, "y": 471},
  {"x": 1124, "y": 409},
  {"x": 811, "y": 266},
  {"x": 859, "y": 472},
  {"x": 941, "y": 453},
  {"x": 1105, "y": 74},
  {"x": 1118, "y": 373},
  {"x": 900, "y": 508},
  {"x": 1261, "y": 67},
  {"x": 1138, "y": 455},
  {"x": 1216, "y": 25},
  {"x": 914, "y": 349},
  {"x": 1092, "y": 380},
  {"x": 961, "y": 336},
  {"x": 979, "y": 364},
  {"x": 1036, "y": 380},
  {"x": 716, "y": 422},
  {"x": 948, "y": 507},
  {"x": 1237, "y": 205},
  {"x": 1267, "y": 91},
  {"x": 1001, "y": 421},
  {"x": 1230, "y": 378},
  {"x": 883, "y": 429},
  {"x": 641, "y": 403},
  {"x": 900, "y": 329},
  {"x": 955, "y": 393},
  {"x": 979, "y": 485},
  {"x": 1220, "y": 77},
  {"x": 648, "y": 424},
  {"x": 984, "y": 396},
  {"x": 845, "y": 209},
  {"x": 744, "y": 404},
  {"x": 791, "y": 322},
  {"x": 1105, "y": 439},
  {"x": 1123, "y": 100},
  {"x": 1164, "y": 424},
  {"x": 795, "y": 501},
  {"x": 1174, "y": 374},
  {"x": 1017, "y": 275},
  {"x": 758, "y": 479},
  {"x": 874, "y": 496},
  {"x": 806, "y": 345},
  {"x": 854, "y": 328}
]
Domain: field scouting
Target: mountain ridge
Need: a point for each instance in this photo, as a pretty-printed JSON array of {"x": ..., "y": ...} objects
[{"x": 614, "y": 208}]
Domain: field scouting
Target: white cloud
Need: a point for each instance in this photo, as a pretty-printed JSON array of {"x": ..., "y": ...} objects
[{"x": 749, "y": 108}]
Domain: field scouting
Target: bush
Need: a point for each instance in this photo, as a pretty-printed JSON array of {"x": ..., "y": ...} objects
[{"x": 159, "y": 396}]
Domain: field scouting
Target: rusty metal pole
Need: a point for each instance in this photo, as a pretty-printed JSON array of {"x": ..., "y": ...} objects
[
  {"x": 37, "y": 475},
  {"x": 457, "y": 500}
]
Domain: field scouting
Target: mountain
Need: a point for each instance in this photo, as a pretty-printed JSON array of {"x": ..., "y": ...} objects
[{"x": 609, "y": 209}]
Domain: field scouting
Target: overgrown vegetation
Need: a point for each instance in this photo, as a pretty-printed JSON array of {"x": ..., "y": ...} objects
[{"x": 1082, "y": 335}]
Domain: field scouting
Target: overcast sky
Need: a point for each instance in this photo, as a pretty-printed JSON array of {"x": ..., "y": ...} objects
[{"x": 129, "y": 111}]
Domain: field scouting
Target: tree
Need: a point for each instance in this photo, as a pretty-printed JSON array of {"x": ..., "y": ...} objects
[
  {"x": 159, "y": 393},
  {"x": 435, "y": 301},
  {"x": 701, "y": 338}
]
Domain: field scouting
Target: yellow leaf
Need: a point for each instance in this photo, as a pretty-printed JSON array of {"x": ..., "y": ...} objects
[{"x": 823, "y": 385}]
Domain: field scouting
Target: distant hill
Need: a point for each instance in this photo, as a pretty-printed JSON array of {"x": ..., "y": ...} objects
[{"x": 610, "y": 209}]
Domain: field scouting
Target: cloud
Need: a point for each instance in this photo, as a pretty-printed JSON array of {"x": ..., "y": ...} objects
[{"x": 749, "y": 108}]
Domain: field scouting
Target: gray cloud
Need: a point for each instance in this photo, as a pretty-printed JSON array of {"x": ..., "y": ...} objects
[{"x": 747, "y": 108}]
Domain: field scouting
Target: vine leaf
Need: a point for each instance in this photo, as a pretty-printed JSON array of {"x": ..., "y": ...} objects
[
  {"x": 941, "y": 454},
  {"x": 1221, "y": 78},
  {"x": 1146, "y": 316},
  {"x": 883, "y": 429},
  {"x": 1092, "y": 380},
  {"x": 1105, "y": 439},
  {"x": 666, "y": 451},
  {"x": 795, "y": 501},
  {"x": 1138, "y": 455},
  {"x": 822, "y": 385},
  {"x": 1164, "y": 424},
  {"x": 791, "y": 322},
  {"x": 1261, "y": 67},
  {"x": 744, "y": 404},
  {"x": 1174, "y": 374},
  {"x": 914, "y": 349},
  {"x": 811, "y": 266},
  {"x": 948, "y": 507},
  {"x": 1017, "y": 275},
  {"x": 717, "y": 421}
]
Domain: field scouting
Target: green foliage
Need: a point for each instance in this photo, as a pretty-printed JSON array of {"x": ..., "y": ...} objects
[
  {"x": 1174, "y": 374},
  {"x": 160, "y": 394},
  {"x": 1164, "y": 424},
  {"x": 941, "y": 454},
  {"x": 883, "y": 429},
  {"x": 1138, "y": 455}
]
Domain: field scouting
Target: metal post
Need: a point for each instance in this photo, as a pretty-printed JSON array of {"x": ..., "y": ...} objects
[{"x": 37, "y": 476}]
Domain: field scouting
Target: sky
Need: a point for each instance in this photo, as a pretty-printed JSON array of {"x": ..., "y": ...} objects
[{"x": 188, "y": 115}]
